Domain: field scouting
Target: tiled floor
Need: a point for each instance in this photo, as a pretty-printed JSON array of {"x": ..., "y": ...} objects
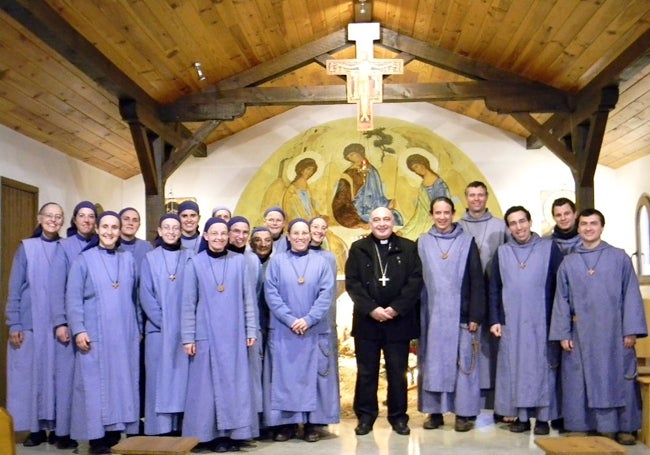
[{"x": 486, "y": 438}]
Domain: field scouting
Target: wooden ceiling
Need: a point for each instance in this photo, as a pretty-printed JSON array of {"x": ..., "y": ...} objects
[{"x": 64, "y": 65}]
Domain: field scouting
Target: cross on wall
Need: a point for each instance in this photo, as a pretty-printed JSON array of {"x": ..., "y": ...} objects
[{"x": 364, "y": 74}]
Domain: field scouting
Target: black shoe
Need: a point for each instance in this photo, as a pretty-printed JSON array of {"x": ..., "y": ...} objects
[
  {"x": 363, "y": 428},
  {"x": 220, "y": 445},
  {"x": 463, "y": 424},
  {"x": 35, "y": 439},
  {"x": 433, "y": 421},
  {"x": 64, "y": 442},
  {"x": 311, "y": 433},
  {"x": 541, "y": 428},
  {"x": 625, "y": 439},
  {"x": 558, "y": 424},
  {"x": 519, "y": 427},
  {"x": 284, "y": 433},
  {"x": 401, "y": 428},
  {"x": 112, "y": 438},
  {"x": 99, "y": 446},
  {"x": 498, "y": 418},
  {"x": 51, "y": 438}
]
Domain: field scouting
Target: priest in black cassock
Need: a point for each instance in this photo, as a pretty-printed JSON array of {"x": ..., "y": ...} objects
[{"x": 383, "y": 276}]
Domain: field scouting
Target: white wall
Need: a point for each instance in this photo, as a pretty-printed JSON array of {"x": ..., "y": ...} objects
[
  {"x": 58, "y": 177},
  {"x": 518, "y": 176}
]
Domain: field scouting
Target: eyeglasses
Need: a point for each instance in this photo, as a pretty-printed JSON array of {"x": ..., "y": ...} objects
[{"x": 52, "y": 216}]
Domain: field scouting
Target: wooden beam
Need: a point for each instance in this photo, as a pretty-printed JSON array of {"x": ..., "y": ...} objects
[
  {"x": 44, "y": 22},
  {"x": 503, "y": 97},
  {"x": 155, "y": 203},
  {"x": 142, "y": 142},
  {"x": 588, "y": 99},
  {"x": 553, "y": 143},
  {"x": 589, "y": 153},
  {"x": 446, "y": 59},
  {"x": 180, "y": 154},
  {"x": 286, "y": 63},
  {"x": 174, "y": 134}
]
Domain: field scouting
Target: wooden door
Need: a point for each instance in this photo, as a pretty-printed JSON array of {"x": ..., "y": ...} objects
[{"x": 18, "y": 210}]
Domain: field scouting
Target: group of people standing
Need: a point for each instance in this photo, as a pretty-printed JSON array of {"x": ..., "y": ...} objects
[
  {"x": 231, "y": 350},
  {"x": 535, "y": 328},
  {"x": 240, "y": 336}
]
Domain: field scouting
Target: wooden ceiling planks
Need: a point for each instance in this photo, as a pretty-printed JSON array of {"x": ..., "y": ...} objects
[{"x": 564, "y": 43}]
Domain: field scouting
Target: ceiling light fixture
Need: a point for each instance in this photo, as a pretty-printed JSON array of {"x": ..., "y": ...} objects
[
  {"x": 199, "y": 71},
  {"x": 362, "y": 10}
]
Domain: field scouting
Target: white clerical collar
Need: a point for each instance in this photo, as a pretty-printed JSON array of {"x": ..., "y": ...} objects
[{"x": 383, "y": 241}]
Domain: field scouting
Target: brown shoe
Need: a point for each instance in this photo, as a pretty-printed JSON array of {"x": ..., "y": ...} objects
[{"x": 463, "y": 424}]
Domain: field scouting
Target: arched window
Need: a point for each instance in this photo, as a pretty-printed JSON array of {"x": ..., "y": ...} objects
[{"x": 643, "y": 239}]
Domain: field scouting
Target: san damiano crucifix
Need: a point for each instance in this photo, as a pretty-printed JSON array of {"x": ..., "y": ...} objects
[{"x": 364, "y": 74}]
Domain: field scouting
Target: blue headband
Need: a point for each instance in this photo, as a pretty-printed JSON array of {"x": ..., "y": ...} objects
[
  {"x": 214, "y": 220},
  {"x": 275, "y": 209},
  {"x": 237, "y": 219},
  {"x": 126, "y": 209},
  {"x": 169, "y": 216},
  {"x": 260, "y": 229},
  {"x": 72, "y": 230},
  {"x": 188, "y": 205},
  {"x": 221, "y": 207},
  {"x": 297, "y": 220}
]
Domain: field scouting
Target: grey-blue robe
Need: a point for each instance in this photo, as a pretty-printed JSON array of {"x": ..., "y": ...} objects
[
  {"x": 600, "y": 391},
  {"x": 520, "y": 300},
  {"x": 489, "y": 233},
  {"x": 106, "y": 378},
  {"x": 30, "y": 368},
  {"x": 68, "y": 251},
  {"x": 218, "y": 401},
  {"x": 166, "y": 361},
  {"x": 303, "y": 387},
  {"x": 453, "y": 295},
  {"x": 138, "y": 248},
  {"x": 192, "y": 243}
]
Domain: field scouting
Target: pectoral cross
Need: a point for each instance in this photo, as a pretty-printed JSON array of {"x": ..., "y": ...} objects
[
  {"x": 383, "y": 280},
  {"x": 365, "y": 74}
]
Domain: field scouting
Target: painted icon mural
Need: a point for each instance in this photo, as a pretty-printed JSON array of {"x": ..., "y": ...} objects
[{"x": 335, "y": 171}]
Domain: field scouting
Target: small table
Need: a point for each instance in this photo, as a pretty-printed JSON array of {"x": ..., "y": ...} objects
[
  {"x": 579, "y": 445},
  {"x": 155, "y": 445}
]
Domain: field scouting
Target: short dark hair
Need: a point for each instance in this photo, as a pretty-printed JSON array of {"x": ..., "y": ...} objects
[
  {"x": 559, "y": 202},
  {"x": 443, "y": 199},
  {"x": 513, "y": 209},
  {"x": 476, "y": 184},
  {"x": 592, "y": 211}
]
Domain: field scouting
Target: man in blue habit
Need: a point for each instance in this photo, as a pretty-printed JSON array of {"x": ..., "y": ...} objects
[
  {"x": 522, "y": 287},
  {"x": 452, "y": 310},
  {"x": 597, "y": 316}
]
